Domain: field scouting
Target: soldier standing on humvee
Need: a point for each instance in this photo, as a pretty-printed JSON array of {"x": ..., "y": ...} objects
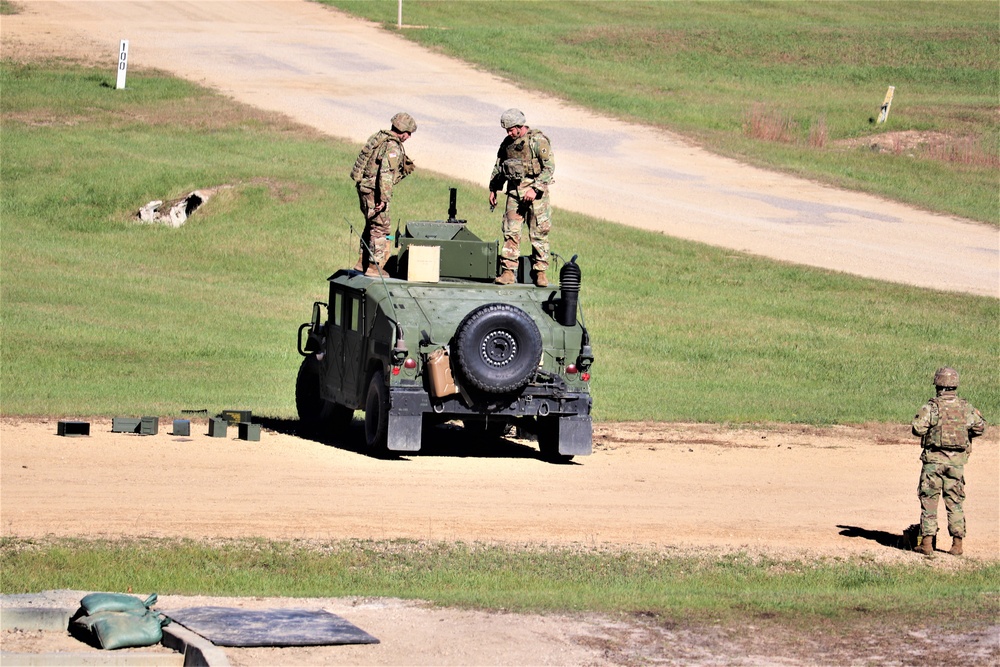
[
  {"x": 380, "y": 165},
  {"x": 525, "y": 164},
  {"x": 946, "y": 425}
]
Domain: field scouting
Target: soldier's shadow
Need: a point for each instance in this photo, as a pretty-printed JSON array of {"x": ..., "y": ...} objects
[{"x": 901, "y": 541}]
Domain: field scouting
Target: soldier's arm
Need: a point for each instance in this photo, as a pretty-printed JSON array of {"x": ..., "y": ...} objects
[
  {"x": 922, "y": 421},
  {"x": 389, "y": 159},
  {"x": 496, "y": 177},
  {"x": 543, "y": 151},
  {"x": 977, "y": 425}
]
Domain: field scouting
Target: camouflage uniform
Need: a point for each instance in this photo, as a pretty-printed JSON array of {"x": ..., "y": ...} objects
[
  {"x": 946, "y": 425},
  {"x": 523, "y": 163},
  {"x": 381, "y": 164}
]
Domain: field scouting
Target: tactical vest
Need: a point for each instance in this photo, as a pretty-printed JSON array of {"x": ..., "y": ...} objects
[
  {"x": 364, "y": 167},
  {"x": 520, "y": 162},
  {"x": 951, "y": 431}
]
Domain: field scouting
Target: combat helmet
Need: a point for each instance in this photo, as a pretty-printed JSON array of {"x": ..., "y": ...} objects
[
  {"x": 946, "y": 377},
  {"x": 403, "y": 122},
  {"x": 512, "y": 118}
]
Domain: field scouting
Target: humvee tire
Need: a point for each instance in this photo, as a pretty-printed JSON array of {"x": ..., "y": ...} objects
[
  {"x": 498, "y": 347},
  {"x": 547, "y": 432},
  {"x": 377, "y": 414},
  {"x": 317, "y": 417}
]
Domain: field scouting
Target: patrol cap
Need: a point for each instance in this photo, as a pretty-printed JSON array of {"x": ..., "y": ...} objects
[
  {"x": 512, "y": 118},
  {"x": 946, "y": 377},
  {"x": 403, "y": 122}
]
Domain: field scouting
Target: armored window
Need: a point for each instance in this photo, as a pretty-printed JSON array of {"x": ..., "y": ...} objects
[
  {"x": 355, "y": 314},
  {"x": 338, "y": 309}
]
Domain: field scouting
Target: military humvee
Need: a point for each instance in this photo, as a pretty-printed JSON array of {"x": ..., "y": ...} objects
[{"x": 445, "y": 343}]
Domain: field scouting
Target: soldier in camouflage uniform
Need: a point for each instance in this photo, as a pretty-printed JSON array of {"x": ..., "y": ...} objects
[
  {"x": 381, "y": 164},
  {"x": 524, "y": 170},
  {"x": 946, "y": 425}
]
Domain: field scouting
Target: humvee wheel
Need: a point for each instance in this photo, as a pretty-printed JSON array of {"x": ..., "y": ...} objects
[
  {"x": 498, "y": 348},
  {"x": 377, "y": 413},
  {"x": 317, "y": 417},
  {"x": 547, "y": 431}
]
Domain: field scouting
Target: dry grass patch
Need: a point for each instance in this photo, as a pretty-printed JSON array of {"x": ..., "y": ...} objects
[{"x": 940, "y": 146}]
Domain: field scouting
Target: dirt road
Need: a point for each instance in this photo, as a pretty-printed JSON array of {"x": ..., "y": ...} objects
[
  {"x": 346, "y": 78},
  {"x": 837, "y": 490}
]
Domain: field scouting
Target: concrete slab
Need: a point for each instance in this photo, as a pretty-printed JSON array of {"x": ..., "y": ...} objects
[
  {"x": 103, "y": 659},
  {"x": 37, "y": 618},
  {"x": 191, "y": 650}
]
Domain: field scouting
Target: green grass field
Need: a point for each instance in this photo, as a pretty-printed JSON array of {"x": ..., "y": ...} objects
[
  {"x": 695, "y": 588},
  {"x": 780, "y": 84},
  {"x": 105, "y": 316}
]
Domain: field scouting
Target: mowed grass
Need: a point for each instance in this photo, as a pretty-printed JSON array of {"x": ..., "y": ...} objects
[
  {"x": 105, "y": 316},
  {"x": 692, "y": 587},
  {"x": 792, "y": 85}
]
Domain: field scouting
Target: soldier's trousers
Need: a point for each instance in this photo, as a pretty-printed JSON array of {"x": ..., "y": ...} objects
[
  {"x": 936, "y": 480},
  {"x": 377, "y": 229},
  {"x": 538, "y": 216}
]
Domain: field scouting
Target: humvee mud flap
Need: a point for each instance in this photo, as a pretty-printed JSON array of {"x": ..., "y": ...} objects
[
  {"x": 404, "y": 432},
  {"x": 576, "y": 436}
]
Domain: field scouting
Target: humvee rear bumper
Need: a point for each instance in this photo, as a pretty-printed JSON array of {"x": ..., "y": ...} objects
[{"x": 572, "y": 409}]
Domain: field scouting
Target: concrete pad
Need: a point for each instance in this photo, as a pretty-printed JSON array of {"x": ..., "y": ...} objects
[{"x": 191, "y": 649}]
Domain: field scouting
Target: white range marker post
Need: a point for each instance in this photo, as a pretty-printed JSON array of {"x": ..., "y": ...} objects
[
  {"x": 883, "y": 112},
  {"x": 122, "y": 64}
]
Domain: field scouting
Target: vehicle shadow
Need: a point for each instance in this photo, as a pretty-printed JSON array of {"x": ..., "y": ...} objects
[
  {"x": 447, "y": 440},
  {"x": 903, "y": 541}
]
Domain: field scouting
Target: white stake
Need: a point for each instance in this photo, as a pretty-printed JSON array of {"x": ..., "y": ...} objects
[
  {"x": 122, "y": 64},
  {"x": 883, "y": 113}
]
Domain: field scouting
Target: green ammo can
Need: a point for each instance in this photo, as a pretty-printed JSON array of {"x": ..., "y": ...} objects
[
  {"x": 249, "y": 431},
  {"x": 217, "y": 427}
]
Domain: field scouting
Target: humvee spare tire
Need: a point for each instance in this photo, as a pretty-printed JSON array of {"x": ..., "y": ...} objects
[{"x": 498, "y": 347}]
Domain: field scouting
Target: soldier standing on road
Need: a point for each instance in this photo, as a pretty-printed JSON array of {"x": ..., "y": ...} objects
[
  {"x": 946, "y": 425},
  {"x": 381, "y": 164},
  {"x": 525, "y": 167}
]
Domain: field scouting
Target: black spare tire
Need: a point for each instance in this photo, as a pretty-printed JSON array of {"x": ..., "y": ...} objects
[{"x": 498, "y": 348}]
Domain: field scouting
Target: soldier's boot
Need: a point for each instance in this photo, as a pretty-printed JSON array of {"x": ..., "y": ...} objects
[
  {"x": 506, "y": 278},
  {"x": 360, "y": 266},
  {"x": 373, "y": 270},
  {"x": 956, "y": 546},
  {"x": 541, "y": 280},
  {"x": 926, "y": 546}
]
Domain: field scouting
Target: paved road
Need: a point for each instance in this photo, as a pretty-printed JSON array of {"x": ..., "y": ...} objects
[{"x": 346, "y": 78}]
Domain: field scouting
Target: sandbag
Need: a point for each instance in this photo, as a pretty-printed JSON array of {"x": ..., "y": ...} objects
[
  {"x": 95, "y": 602},
  {"x": 115, "y": 620}
]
